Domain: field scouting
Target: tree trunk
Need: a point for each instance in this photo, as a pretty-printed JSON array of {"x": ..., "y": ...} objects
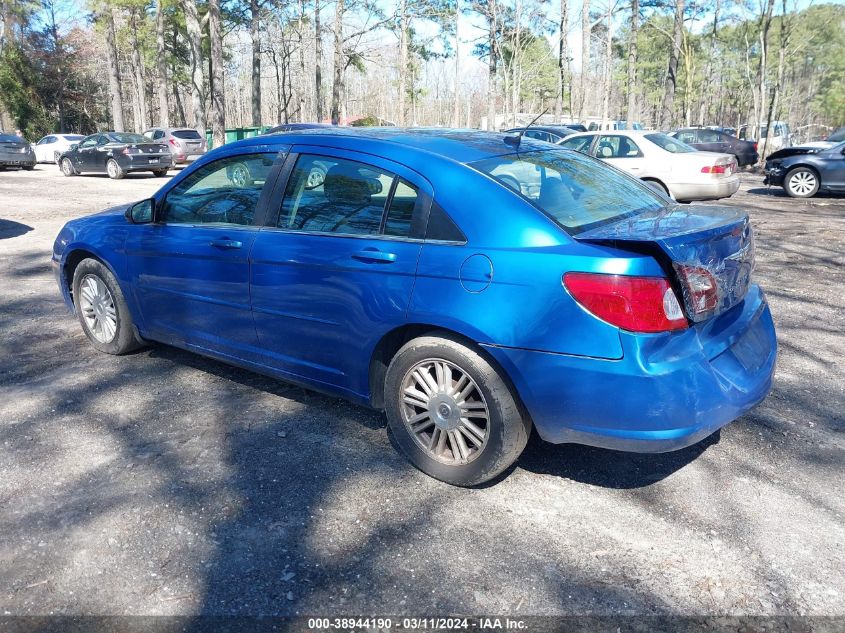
[
  {"x": 192, "y": 25},
  {"x": 630, "y": 108},
  {"x": 403, "y": 60},
  {"x": 667, "y": 110},
  {"x": 161, "y": 63},
  {"x": 608, "y": 52},
  {"x": 491, "y": 66},
  {"x": 304, "y": 115},
  {"x": 337, "y": 85},
  {"x": 318, "y": 64},
  {"x": 138, "y": 75},
  {"x": 218, "y": 106},
  {"x": 707, "y": 90},
  {"x": 255, "y": 35},
  {"x": 562, "y": 58},
  {"x": 585, "y": 58},
  {"x": 456, "y": 112},
  {"x": 765, "y": 23},
  {"x": 114, "y": 73}
]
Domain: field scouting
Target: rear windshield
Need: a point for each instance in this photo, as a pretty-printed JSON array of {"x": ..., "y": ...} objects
[
  {"x": 191, "y": 134},
  {"x": 670, "y": 144},
  {"x": 838, "y": 135},
  {"x": 10, "y": 138},
  {"x": 73, "y": 137},
  {"x": 578, "y": 192},
  {"x": 125, "y": 137}
]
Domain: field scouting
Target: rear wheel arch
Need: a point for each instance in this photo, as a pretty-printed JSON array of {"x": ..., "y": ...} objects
[
  {"x": 395, "y": 339},
  {"x": 657, "y": 181}
]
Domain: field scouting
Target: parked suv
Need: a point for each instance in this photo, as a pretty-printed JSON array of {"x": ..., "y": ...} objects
[
  {"x": 708, "y": 140},
  {"x": 185, "y": 143}
]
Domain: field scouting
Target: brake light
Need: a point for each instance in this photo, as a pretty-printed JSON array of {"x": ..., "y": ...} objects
[
  {"x": 173, "y": 143},
  {"x": 755, "y": 146},
  {"x": 702, "y": 289},
  {"x": 638, "y": 304}
]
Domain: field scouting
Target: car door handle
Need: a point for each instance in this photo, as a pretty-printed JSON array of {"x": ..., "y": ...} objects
[
  {"x": 375, "y": 256},
  {"x": 226, "y": 243}
]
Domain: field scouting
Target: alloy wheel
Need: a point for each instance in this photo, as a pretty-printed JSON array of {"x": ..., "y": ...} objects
[
  {"x": 97, "y": 306},
  {"x": 240, "y": 176},
  {"x": 112, "y": 169},
  {"x": 445, "y": 411},
  {"x": 802, "y": 183},
  {"x": 67, "y": 168}
]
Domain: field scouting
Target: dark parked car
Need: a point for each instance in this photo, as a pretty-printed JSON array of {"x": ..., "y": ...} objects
[
  {"x": 708, "y": 140},
  {"x": 293, "y": 127},
  {"x": 582, "y": 305},
  {"x": 116, "y": 154},
  {"x": 549, "y": 133},
  {"x": 804, "y": 171},
  {"x": 15, "y": 152}
]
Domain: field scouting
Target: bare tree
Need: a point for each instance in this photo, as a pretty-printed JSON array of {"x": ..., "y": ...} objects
[
  {"x": 318, "y": 64},
  {"x": 630, "y": 107},
  {"x": 667, "y": 109},
  {"x": 114, "y": 70},
  {"x": 339, "y": 63},
  {"x": 586, "y": 32},
  {"x": 194, "y": 28},
  {"x": 138, "y": 73},
  {"x": 218, "y": 106},
  {"x": 161, "y": 64},
  {"x": 562, "y": 58}
]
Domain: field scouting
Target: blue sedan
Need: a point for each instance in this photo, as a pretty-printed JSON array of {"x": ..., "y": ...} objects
[{"x": 474, "y": 286}]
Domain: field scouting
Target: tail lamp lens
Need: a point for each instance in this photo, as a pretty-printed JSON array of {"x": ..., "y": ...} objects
[
  {"x": 638, "y": 304},
  {"x": 701, "y": 288}
]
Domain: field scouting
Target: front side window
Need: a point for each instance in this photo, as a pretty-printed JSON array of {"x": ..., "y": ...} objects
[
  {"x": 617, "y": 147},
  {"x": 334, "y": 195},
  {"x": 579, "y": 143},
  {"x": 126, "y": 137},
  {"x": 709, "y": 136},
  {"x": 670, "y": 144},
  {"x": 91, "y": 141},
  {"x": 223, "y": 192},
  {"x": 685, "y": 136},
  {"x": 576, "y": 191}
]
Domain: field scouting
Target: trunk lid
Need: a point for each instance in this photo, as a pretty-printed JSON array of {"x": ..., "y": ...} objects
[{"x": 709, "y": 251}]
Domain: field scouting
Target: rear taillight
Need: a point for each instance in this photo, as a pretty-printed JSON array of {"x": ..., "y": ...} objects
[
  {"x": 701, "y": 288},
  {"x": 638, "y": 304},
  {"x": 174, "y": 143}
]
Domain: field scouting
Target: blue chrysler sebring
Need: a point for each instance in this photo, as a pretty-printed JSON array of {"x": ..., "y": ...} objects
[{"x": 471, "y": 285}]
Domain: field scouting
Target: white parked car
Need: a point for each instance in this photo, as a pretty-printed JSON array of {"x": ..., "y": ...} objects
[
  {"x": 50, "y": 147},
  {"x": 667, "y": 164}
]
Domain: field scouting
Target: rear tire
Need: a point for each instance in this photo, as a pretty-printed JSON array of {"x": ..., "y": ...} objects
[
  {"x": 160, "y": 173},
  {"x": 29, "y": 167},
  {"x": 451, "y": 413},
  {"x": 114, "y": 170},
  {"x": 102, "y": 310},
  {"x": 801, "y": 182}
]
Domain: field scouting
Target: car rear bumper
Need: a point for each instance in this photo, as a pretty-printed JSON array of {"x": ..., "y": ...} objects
[
  {"x": 667, "y": 392},
  {"x": 141, "y": 162},
  {"x": 8, "y": 159},
  {"x": 722, "y": 188}
]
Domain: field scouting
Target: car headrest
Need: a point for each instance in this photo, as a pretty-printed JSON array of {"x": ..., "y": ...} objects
[
  {"x": 606, "y": 151},
  {"x": 346, "y": 185}
]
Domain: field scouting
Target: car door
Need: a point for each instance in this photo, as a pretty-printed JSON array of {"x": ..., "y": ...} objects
[
  {"x": 833, "y": 175},
  {"x": 189, "y": 269},
  {"x": 579, "y": 143},
  {"x": 44, "y": 148},
  {"x": 622, "y": 152},
  {"x": 83, "y": 156},
  {"x": 711, "y": 141},
  {"x": 335, "y": 270}
]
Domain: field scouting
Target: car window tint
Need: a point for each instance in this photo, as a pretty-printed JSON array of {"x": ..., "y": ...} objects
[
  {"x": 334, "y": 195},
  {"x": 441, "y": 227},
  {"x": 617, "y": 147},
  {"x": 187, "y": 134},
  {"x": 579, "y": 143},
  {"x": 687, "y": 136},
  {"x": 223, "y": 192},
  {"x": 708, "y": 136},
  {"x": 89, "y": 142},
  {"x": 400, "y": 213}
]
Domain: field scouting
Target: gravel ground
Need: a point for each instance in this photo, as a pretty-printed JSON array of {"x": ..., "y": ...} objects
[{"x": 164, "y": 483}]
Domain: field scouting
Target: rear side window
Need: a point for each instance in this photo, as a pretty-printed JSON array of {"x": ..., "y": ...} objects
[
  {"x": 441, "y": 228},
  {"x": 617, "y": 147},
  {"x": 334, "y": 195},
  {"x": 223, "y": 192},
  {"x": 670, "y": 144},
  {"x": 400, "y": 213},
  {"x": 578, "y": 192},
  {"x": 192, "y": 135}
]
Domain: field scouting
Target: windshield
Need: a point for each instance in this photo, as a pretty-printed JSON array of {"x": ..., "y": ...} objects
[
  {"x": 670, "y": 144},
  {"x": 838, "y": 135},
  {"x": 124, "y": 137},
  {"x": 576, "y": 191}
]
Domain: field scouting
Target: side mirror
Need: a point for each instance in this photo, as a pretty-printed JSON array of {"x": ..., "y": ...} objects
[
  {"x": 141, "y": 212},
  {"x": 73, "y": 146}
]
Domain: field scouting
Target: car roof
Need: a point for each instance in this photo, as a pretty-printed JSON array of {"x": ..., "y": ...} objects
[
  {"x": 461, "y": 146},
  {"x": 616, "y": 133}
]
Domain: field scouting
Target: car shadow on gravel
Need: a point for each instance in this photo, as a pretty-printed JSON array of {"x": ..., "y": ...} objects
[{"x": 9, "y": 228}]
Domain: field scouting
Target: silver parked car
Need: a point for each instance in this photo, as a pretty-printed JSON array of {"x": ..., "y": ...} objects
[
  {"x": 15, "y": 152},
  {"x": 185, "y": 143}
]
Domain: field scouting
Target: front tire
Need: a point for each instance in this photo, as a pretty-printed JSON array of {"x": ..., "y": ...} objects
[
  {"x": 801, "y": 182},
  {"x": 67, "y": 167},
  {"x": 102, "y": 310},
  {"x": 114, "y": 170},
  {"x": 451, "y": 413}
]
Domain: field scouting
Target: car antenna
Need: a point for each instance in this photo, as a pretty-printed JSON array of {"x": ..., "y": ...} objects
[{"x": 515, "y": 140}]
